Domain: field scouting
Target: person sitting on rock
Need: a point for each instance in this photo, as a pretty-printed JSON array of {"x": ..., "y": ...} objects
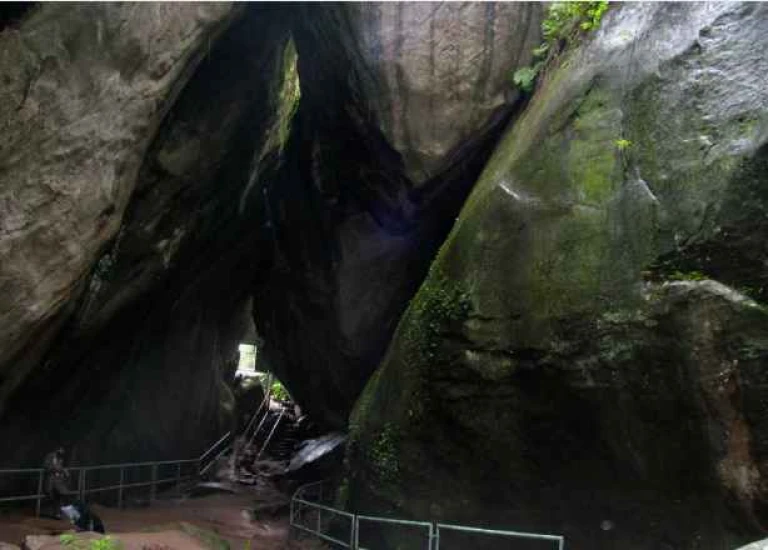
[{"x": 56, "y": 478}]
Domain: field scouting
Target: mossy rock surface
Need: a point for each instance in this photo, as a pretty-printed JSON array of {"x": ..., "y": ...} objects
[{"x": 606, "y": 360}]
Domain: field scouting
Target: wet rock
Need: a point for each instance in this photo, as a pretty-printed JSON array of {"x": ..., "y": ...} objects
[
  {"x": 314, "y": 450},
  {"x": 759, "y": 545}
]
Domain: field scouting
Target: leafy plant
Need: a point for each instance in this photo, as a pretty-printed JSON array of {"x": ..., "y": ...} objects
[
  {"x": 279, "y": 392},
  {"x": 106, "y": 543},
  {"x": 564, "y": 24},
  {"x": 525, "y": 77},
  {"x": 623, "y": 144}
]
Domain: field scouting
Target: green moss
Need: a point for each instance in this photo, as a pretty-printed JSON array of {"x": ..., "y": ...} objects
[
  {"x": 384, "y": 454},
  {"x": 687, "y": 276},
  {"x": 402, "y": 396},
  {"x": 592, "y": 166},
  {"x": 287, "y": 94},
  {"x": 592, "y": 156},
  {"x": 439, "y": 302}
]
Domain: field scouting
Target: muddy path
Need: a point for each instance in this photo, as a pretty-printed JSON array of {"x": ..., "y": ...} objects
[{"x": 230, "y": 516}]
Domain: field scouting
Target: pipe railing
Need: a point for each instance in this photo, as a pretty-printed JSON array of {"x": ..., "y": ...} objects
[
  {"x": 213, "y": 447},
  {"x": 302, "y": 521},
  {"x": 271, "y": 433},
  {"x": 81, "y": 473}
]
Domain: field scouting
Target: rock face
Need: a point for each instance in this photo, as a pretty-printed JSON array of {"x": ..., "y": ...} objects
[
  {"x": 84, "y": 90},
  {"x": 142, "y": 355},
  {"x": 550, "y": 375},
  {"x": 353, "y": 251},
  {"x": 163, "y": 164},
  {"x": 438, "y": 73}
]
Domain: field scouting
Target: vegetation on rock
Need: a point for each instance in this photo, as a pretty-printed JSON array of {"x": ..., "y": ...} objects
[
  {"x": 565, "y": 24},
  {"x": 278, "y": 391},
  {"x": 106, "y": 543}
]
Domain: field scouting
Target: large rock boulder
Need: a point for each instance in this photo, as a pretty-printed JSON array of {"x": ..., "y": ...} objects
[
  {"x": 84, "y": 90},
  {"x": 143, "y": 355},
  {"x": 349, "y": 255},
  {"x": 549, "y": 375},
  {"x": 439, "y": 73}
]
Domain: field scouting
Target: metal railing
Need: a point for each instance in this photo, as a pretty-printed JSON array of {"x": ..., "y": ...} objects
[
  {"x": 120, "y": 477},
  {"x": 271, "y": 433},
  {"x": 222, "y": 445},
  {"x": 555, "y": 539},
  {"x": 307, "y": 516}
]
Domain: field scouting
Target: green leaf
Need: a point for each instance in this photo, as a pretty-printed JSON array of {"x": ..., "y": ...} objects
[
  {"x": 541, "y": 51},
  {"x": 524, "y": 78}
]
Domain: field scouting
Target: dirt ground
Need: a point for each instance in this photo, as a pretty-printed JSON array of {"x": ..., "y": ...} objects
[{"x": 227, "y": 515}]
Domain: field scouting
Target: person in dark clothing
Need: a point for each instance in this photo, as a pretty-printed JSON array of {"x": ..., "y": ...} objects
[
  {"x": 83, "y": 518},
  {"x": 56, "y": 477}
]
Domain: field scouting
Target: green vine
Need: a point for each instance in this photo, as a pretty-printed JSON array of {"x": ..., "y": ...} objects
[{"x": 565, "y": 24}]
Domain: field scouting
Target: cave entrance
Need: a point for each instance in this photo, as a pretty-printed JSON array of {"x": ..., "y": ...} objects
[{"x": 246, "y": 366}]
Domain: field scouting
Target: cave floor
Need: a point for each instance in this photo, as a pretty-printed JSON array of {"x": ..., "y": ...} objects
[{"x": 224, "y": 514}]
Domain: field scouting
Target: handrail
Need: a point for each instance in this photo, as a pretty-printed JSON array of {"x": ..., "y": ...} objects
[
  {"x": 100, "y": 466},
  {"x": 254, "y": 417},
  {"x": 258, "y": 428},
  {"x": 82, "y": 489},
  {"x": 433, "y": 528},
  {"x": 213, "y": 461},
  {"x": 213, "y": 447},
  {"x": 265, "y": 401},
  {"x": 559, "y": 539},
  {"x": 269, "y": 437}
]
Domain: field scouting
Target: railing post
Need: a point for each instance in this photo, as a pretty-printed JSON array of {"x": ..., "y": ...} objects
[
  {"x": 352, "y": 530},
  {"x": 178, "y": 479},
  {"x": 153, "y": 485},
  {"x": 434, "y": 536},
  {"x": 120, "y": 488},
  {"x": 38, "y": 501},
  {"x": 82, "y": 480},
  {"x": 356, "y": 546}
]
